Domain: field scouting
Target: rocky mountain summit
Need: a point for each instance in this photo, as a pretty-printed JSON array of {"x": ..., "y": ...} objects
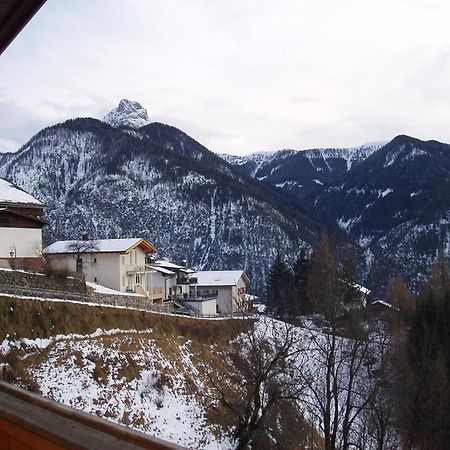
[{"x": 128, "y": 114}]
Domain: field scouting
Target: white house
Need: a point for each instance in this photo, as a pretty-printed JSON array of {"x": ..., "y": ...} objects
[
  {"x": 179, "y": 285},
  {"x": 230, "y": 286},
  {"x": 172, "y": 278},
  {"x": 119, "y": 264},
  {"x": 21, "y": 228}
]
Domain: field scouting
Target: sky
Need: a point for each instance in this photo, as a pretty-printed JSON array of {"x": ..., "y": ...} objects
[{"x": 239, "y": 76}]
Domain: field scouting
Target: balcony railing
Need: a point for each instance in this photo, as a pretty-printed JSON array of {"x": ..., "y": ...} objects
[
  {"x": 196, "y": 297},
  {"x": 186, "y": 280},
  {"x": 131, "y": 268}
]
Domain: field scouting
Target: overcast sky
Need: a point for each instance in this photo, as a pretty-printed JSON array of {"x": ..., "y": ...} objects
[{"x": 237, "y": 75}]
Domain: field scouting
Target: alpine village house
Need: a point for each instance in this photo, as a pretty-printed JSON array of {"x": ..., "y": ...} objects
[
  {"x": 127, "y": 266},
  {"x": 21, "y": 223}
]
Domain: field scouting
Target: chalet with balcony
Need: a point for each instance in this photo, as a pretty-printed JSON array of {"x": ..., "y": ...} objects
[
  {"x": 120, "y": 264},
  {"x": 180, "y": 286},
  {"x": 174, "y": 280},
  {"x": 21, "y": 228}
]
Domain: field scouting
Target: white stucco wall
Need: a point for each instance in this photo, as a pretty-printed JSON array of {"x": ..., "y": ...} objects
[
  {"x": 223, "y": 297},
  {"x": 208, "y": 307},
  {"x": 103, "y": 268},
  {"x": 26, "y": 241},
  {"x": 205, "y": 308},
  {"x": 157, "y": 280}
]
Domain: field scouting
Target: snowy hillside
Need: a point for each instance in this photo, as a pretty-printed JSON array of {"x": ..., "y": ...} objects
[
  {"x": 168, "y": 377},
  {"x": 251, "y": 163},
  {"x": 301, "y": 172},
  {"x": 392, "y": 198},
  {"x": 396, "y": 203}
]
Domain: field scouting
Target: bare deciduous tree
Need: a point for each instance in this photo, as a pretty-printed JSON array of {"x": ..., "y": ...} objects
[
  {"x": 343, "y": 350},
  {"x": 79, "y": 248},
  {"x": 264, "y": 368}
]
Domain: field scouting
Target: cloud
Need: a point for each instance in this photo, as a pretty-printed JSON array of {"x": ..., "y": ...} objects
[
  {"x": 238, "y": 76},
  {"x": 18, "y": 123}
]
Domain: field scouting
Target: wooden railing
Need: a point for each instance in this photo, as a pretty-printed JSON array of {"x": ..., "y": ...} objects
[{"x": 29, "y": 421}]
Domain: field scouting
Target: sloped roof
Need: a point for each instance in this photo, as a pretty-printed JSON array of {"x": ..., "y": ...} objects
[
  {"x": 219, "y": 277},
  {"x": 98, "y": 246},
  {"x": 172, "y": 266},
  {"x": 167, "y": 264},
  {"x": 162, "y": 270},
  {"x": 11, "y": 194}
]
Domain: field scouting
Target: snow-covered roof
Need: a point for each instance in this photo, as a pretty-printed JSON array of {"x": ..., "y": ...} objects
[
  {"x": 168, "y": 265},
  {"x": 9, "y": 193},
  {"x": 162, "y": 270},
  {"x": 362, "y": 289},
  {"x": 96, "y": 246},
  {"x": 385, "y": 304},
  {"x": 106, "y": 290},
  {"x": 219, "y": 277}
]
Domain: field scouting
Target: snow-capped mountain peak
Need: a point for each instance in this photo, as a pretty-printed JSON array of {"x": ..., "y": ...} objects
[
  {"x": 127, "y": 114},
  {"x": 8, "y": 146}
]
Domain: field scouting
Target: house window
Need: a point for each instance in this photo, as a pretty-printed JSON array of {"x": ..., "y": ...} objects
[
  {"x": 95, "y": 279},
  {"x": 131, "y": 257},
  {"x": 170, "y": 291},
  {"x": 95, "y": 259},
  {"x": 138, "y": 278}
]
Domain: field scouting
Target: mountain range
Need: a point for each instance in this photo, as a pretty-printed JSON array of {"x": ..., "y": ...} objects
[
  {"x": 158, "y": 183},
  {"x": 127, "y": 176}
]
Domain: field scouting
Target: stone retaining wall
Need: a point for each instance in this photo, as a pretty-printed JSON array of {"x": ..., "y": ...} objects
[
  {"x": 130, "y": 301},
  {"x": 41, "y": 281},
  {"x": 42, "y": 286}
]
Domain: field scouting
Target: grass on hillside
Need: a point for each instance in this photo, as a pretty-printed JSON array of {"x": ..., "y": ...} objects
[{"x": 22, "y": 318}]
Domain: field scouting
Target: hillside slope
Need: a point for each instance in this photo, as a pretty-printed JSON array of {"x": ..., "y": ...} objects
[
  {"x": 397, "y": 205},
  {"x": 302, "y": 172},
  {"x": 154, "y": 378}
]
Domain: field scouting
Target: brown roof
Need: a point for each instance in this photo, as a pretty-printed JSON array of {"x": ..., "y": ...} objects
[{"x": 11, "y": 212}]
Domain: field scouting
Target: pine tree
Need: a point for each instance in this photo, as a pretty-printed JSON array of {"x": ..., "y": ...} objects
[
  {"x": 278, "y": 287},
  {"x": 425, "y": 402},
  {"x": 324, "y": 286},
  {"x": 401, "y": 298},
  {"x": 301, "y": 303},
  {"x": 350, "y": 278}
]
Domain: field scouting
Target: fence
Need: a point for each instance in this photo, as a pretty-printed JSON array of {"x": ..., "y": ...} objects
[{"x": 28, "y": 421}]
